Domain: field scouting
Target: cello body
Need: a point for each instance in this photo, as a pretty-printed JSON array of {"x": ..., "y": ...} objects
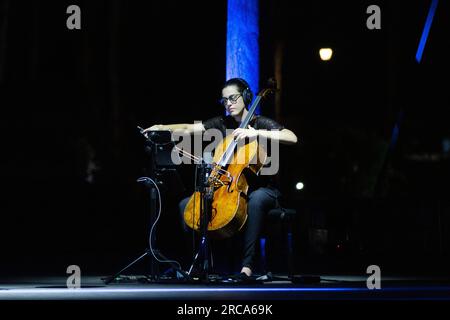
[{"x": 229, "y": 204}]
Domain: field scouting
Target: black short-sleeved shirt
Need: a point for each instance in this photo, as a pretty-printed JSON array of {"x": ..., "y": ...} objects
[
  {"x": 227, "y": 122},
  {"x": 223, "y": 123}
]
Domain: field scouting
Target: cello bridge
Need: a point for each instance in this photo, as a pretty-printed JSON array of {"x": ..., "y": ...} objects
[{"x": 223, "y": 180}]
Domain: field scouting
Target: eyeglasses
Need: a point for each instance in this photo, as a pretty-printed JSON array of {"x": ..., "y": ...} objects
[{"x": 233, "y": 99}]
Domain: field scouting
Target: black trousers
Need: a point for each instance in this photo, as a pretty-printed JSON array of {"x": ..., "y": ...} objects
[{"x": 260, "y": 202}]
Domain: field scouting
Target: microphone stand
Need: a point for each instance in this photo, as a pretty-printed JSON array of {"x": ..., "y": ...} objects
[{"x": 202, "y": 258}]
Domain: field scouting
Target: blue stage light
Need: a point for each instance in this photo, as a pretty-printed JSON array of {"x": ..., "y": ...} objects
[
  {"x": 426, "y": 30},
  {"x": 242, "y": 53}
]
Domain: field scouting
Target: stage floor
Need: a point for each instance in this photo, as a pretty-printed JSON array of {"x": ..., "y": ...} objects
[{"x": 330, "y": 287}]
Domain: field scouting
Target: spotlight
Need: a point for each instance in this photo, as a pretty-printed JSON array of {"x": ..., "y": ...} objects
[
  {"x": 299, "y": 186},
  {"x": 325, "y": 54}
]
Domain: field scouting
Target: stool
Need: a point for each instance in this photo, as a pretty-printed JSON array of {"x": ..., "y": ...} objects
[{"x": 285, "y": 216}]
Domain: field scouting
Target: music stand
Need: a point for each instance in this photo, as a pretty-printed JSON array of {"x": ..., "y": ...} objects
[{"x": 159, "y": 145}]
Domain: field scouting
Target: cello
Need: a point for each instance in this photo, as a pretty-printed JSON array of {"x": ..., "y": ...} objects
[{"x": 227, "y": 183}]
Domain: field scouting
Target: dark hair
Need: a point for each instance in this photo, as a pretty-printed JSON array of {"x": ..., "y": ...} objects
[{"x": 243, "y": 89}]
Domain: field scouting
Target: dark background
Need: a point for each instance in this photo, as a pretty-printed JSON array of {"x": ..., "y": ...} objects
[{"x": 70, "y": 152}]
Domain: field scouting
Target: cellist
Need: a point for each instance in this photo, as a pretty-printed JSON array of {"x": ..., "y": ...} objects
[{"x": 263, "y": 195}]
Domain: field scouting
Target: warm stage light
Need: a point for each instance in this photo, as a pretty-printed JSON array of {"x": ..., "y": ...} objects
[
  {"x": 299, "y": 186},
  {"x": 325, "y": 54}
]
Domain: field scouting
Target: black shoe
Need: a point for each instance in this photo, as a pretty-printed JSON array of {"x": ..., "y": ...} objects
[
  {"x": 239, "y": 278},
  {"x": 243, "y": 276},
  {"x": 265, "y": 277}
]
